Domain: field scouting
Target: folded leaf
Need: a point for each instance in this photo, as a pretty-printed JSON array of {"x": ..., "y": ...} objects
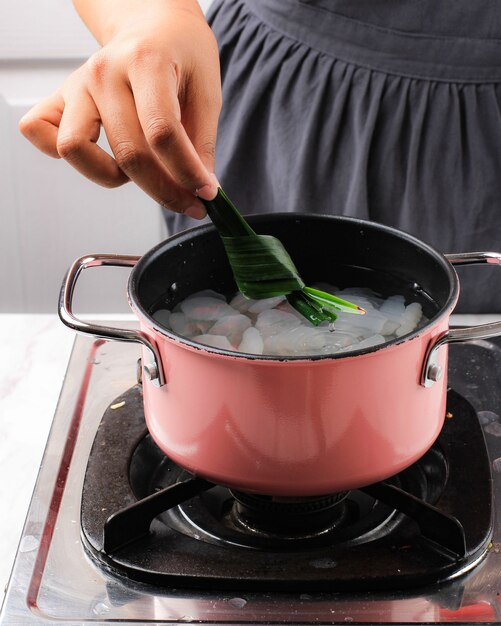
[{"x": 263, "y": 268}]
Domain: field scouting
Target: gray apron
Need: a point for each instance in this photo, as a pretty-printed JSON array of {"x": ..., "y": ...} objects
[{"x": 380, "y": 109}]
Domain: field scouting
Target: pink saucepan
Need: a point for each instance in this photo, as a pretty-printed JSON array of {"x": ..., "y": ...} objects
[{"x": 298, "y": 426}]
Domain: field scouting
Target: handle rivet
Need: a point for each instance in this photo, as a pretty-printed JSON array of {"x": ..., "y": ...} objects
[
  {"x": 435, "y": 372},
  {"x": 151, "y": 371}
]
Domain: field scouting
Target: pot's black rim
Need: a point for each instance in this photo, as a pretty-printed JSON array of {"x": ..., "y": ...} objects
[{"x": 187, "y": 236}]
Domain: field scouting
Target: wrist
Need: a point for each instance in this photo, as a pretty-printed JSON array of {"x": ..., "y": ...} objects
[{"x": 107, "y": 18}]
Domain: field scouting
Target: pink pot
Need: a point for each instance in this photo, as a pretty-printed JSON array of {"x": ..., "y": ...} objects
[{"x": 298, "y": 426}]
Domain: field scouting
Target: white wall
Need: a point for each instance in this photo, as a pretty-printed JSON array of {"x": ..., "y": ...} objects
[{"x": 49, "y": 214}]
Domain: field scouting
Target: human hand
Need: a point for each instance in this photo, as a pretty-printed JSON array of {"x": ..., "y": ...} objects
[{"x": 154, "y": 87}]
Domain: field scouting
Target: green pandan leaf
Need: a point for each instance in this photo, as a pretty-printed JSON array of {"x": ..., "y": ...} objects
[
  {"x": 263, "y": 268},
  {"x": 309, "y": 309},
  {"x": 226, "y": 217},
  {"x": 327, "y": 300}
]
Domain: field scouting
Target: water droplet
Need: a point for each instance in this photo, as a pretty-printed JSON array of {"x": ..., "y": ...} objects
[
  {"x": 28, "y": 543},
  {"x": 100, "y": 609},
  {"x": 237, "y": 603},
  {"x": 494, "y": 428},
  {"x": 486, "y": 417}
]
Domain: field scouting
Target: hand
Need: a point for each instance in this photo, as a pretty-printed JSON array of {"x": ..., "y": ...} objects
[{"x": 154, "y": 87}]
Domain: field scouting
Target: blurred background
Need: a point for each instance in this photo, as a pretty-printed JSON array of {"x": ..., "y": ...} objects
[{"x": 51, "y": 215}]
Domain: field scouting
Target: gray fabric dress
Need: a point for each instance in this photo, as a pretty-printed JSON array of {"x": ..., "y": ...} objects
[{"x": 388, "y": 110}]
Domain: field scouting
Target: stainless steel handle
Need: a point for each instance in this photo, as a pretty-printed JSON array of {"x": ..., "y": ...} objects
[
  {"x": 153, "y": 370},
  {"x": 432, "y": 370}
]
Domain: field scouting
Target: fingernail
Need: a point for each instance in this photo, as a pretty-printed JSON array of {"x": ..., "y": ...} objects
[
  {"x": 208, "y": 192},
  {"x": 196, "y": 211}
]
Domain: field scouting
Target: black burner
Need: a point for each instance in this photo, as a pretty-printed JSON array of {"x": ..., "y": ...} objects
[
  {"x": 426, "y": 524},
  {"x": 294, "y": 518}
]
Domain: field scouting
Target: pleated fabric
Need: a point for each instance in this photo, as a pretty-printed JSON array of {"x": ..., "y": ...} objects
[{"x": 382, "y": 110}]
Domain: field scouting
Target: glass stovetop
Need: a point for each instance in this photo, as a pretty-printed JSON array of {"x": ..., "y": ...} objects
[{"x": 55, "y": 582}]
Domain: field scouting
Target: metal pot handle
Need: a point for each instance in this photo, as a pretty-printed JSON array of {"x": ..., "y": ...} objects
[
  {"x": 154, "y": 370},
  {"x": 432, "y": 371}
]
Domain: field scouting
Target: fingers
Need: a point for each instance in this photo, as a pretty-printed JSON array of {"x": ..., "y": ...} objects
[
  {"x": 40, "y": 125},
  {"x": 79, "y": 131},
  {"x": 69, "y": 130},
  {"x": 133, "y": 154},
  {"x": 168, "y": 154},
  {"x": 158, "y": 110},
  {"x": 201, "y": 115}
]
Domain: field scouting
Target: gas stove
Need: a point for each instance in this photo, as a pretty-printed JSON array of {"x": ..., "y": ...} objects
[{"x": 116, "y": 532}]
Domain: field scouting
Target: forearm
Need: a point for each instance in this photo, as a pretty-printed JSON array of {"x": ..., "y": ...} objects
[{"x": 105, "y": 18}]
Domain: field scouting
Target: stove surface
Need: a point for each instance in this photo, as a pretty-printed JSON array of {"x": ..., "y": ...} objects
[{"x": 54, "y": 581}]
